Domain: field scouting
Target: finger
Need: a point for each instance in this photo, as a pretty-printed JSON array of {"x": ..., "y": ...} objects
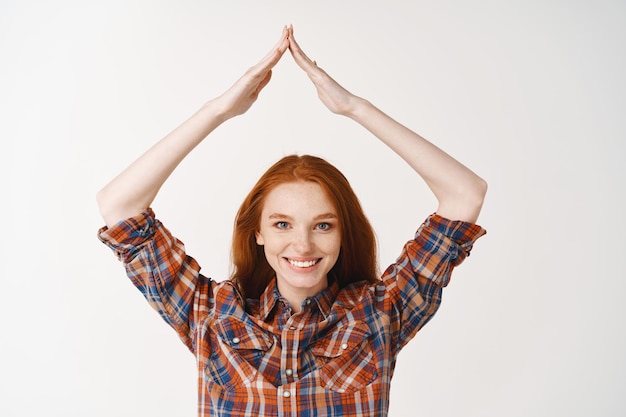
[
  {"x": 298, "y": 54},
  {"x": 274, "y": 55},
  {"x": 258, "y": 72}
]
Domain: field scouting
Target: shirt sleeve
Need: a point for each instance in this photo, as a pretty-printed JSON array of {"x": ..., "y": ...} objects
[
  {"x": 157, "y": 264},
  {"x": 414, "y": 283}
]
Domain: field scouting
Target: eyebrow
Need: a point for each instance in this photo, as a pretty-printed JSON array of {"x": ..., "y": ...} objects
[{"x": 318, "y": 217}]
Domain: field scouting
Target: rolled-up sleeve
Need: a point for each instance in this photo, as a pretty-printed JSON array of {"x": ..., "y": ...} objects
[
  {"x": 157, "y": 264},
  {"x": 415, "y": 281}
]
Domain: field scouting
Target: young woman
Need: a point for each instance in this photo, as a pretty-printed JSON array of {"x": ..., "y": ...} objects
[{"x": 304, "y": 327}]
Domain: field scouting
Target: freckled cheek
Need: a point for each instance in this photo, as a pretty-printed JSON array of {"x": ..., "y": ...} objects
[
  {"x": 330, "y": 246},
  {"x": 276, "y": 245}
]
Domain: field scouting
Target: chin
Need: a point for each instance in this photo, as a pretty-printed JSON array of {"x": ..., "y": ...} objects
[{"x": 313, "y": 284}]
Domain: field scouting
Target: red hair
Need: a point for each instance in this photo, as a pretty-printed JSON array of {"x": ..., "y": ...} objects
[{"x": 357, "y": 258}]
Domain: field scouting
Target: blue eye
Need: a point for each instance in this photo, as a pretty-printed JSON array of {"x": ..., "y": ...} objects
[
  {"x": 282, "y": 225},
  {"x": 324, "y": 226}
]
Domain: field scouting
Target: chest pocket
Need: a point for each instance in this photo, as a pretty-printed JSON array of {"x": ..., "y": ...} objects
[
  {"x": 237, "y": 351},
  {"x": 346, "y": 358}
]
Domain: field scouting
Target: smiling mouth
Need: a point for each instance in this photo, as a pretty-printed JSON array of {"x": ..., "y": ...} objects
[{"x": 303, "y": 264}]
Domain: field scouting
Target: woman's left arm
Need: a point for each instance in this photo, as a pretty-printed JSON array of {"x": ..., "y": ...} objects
[{"x": 459, "y": 191}]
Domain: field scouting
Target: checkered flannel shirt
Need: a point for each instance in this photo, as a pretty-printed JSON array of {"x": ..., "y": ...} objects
[{"x": 255, "y": 358}]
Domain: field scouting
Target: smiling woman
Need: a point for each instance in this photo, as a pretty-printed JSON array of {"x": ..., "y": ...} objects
[
  {"x": 357, "y": 259},
  {"x": 301, "y": 238},
  {"x": 304, "y": 326}
]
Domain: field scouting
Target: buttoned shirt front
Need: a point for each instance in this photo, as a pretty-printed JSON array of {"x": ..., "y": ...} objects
[{"x": 255, "y": 358}]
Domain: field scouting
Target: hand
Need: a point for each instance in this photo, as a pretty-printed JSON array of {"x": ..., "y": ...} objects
[
  {"x": 336, "y": 98},
  {"x": 240, "y": 97}
]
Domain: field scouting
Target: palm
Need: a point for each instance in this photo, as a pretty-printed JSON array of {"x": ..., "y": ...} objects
[{"x": 240, "y": 97}]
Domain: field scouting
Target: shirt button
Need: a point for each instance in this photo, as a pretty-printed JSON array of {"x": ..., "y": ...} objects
[
  {"x": 307, "y": 301},
  {"x": 292, "y": 328},
  {"x": 288, "y": 372},
  {"x": 286, "y": 394},
  {"x": 236, "y": 340},
  {"x": 344, "y": 346}
]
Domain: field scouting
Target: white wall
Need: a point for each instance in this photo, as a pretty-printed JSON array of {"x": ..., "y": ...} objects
[{"x": 531, "y": 95}]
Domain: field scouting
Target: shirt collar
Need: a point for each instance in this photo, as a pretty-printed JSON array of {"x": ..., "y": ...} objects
[
  {"x": 324, "y": 299},
  {"x": 268, "y": 299}
]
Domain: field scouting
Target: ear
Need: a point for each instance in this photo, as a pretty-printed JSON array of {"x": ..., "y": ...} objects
[{"x": 259, "y": 238}]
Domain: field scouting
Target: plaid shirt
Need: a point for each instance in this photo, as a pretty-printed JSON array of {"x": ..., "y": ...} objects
[{"x": 334, "y": 358}]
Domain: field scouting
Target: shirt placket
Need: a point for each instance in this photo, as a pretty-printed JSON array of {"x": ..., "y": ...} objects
[
  {"x": 286, "y": 400},
  {"x": 289, "y": 363}
]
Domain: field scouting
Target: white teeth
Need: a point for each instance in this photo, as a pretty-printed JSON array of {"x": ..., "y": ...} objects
[{"x": 304, "y": 264}]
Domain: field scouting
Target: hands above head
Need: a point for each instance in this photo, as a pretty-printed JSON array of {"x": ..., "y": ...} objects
[
  {"x": 460, "y": 192},
  {"x": 240, "y": 97}
]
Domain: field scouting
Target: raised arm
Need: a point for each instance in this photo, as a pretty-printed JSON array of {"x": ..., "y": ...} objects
[
  {"x": 133, "y": 190},
  {"x": 459, "y": 191}
]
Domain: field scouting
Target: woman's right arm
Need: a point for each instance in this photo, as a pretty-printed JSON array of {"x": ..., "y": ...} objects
[{"x": 134, "y": 189}]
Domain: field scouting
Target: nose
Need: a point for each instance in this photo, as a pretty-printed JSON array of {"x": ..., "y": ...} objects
[{"x": 303, "y": 242}]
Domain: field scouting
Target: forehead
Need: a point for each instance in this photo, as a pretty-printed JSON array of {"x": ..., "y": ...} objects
[{"x": 298, "y": 197}]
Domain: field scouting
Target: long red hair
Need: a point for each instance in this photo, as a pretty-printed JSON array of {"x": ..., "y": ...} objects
[{"x": 357, "y": 258}]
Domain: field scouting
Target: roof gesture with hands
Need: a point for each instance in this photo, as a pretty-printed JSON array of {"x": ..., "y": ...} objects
[{"x": 459, "y": 191}]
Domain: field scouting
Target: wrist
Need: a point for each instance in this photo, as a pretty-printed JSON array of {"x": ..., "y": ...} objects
[
  {"x": 358, "y": 108},
  {"x": 216, "y": 111}
]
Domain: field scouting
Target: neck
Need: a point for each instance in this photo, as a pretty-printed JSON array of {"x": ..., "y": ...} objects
[{"x": 296, "y": 296}]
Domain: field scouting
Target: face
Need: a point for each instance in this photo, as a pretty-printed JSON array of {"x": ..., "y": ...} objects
[{"x": 301, "y": 235}]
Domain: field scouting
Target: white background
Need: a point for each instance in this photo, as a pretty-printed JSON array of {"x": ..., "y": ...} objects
[{"x": 529, "y": 94}]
